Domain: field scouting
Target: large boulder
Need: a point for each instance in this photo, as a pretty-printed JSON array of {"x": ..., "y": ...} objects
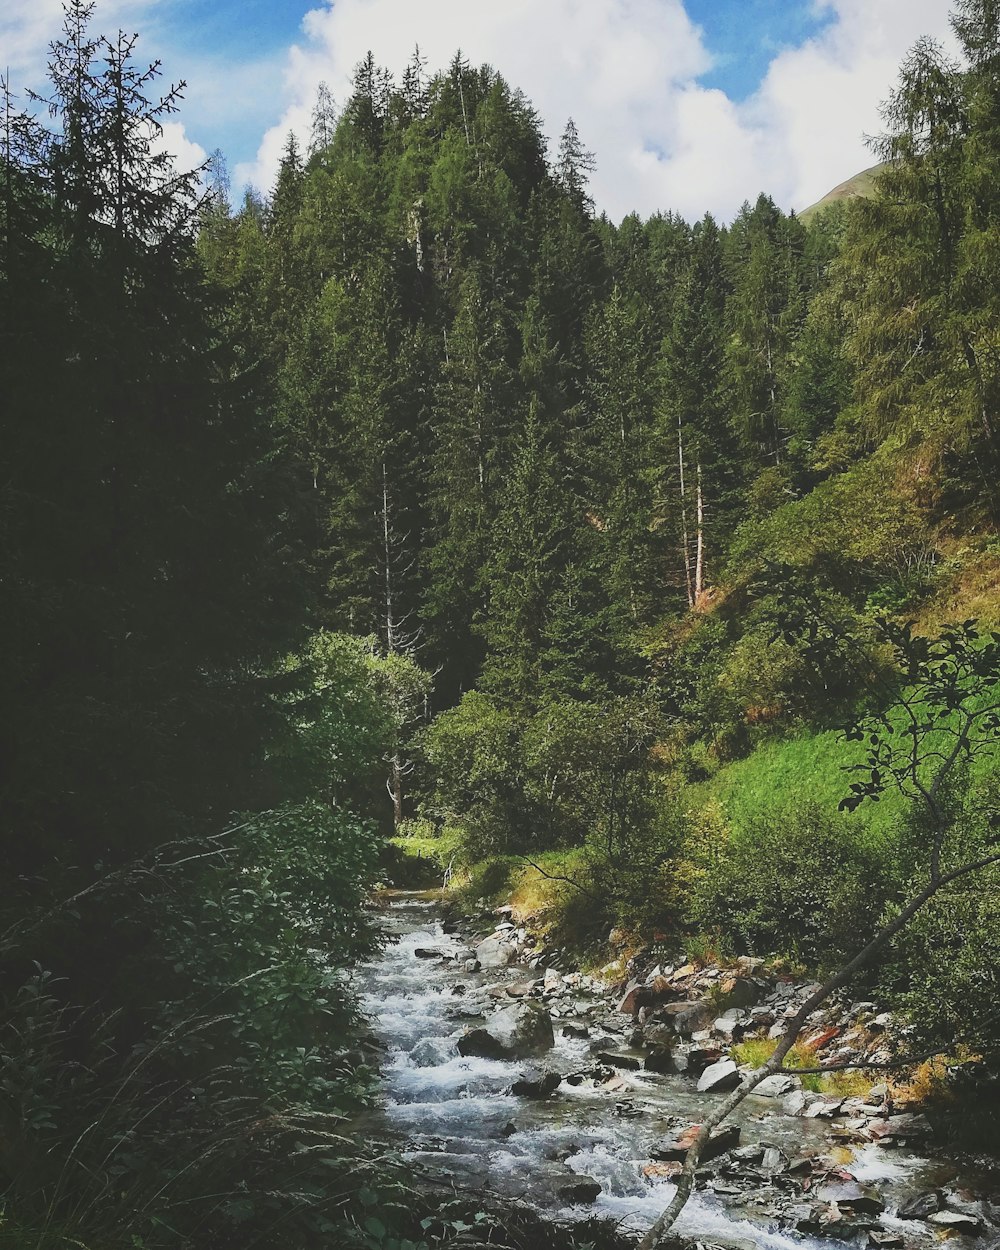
[
  {"x": 494, "y": 952},
  {"x": 517, "y": 1032}
]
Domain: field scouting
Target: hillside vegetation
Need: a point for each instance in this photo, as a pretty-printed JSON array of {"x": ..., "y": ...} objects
[{"x": 416, "y": 498}]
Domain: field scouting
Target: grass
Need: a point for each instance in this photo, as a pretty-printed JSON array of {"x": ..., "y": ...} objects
[
  {"x": 780, "y": 774},
  {"x": 862, "y": 184},
  {"x": 755, "y": 1052}
]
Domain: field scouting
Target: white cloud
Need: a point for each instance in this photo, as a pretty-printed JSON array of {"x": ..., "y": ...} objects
[
  {"x": 627, "y": 71},
  {"x": 27, "y": 27},
  {"x": 186, "y": 154}
]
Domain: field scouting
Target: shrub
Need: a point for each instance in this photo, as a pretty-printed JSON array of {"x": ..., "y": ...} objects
[{"x": 800, "y": 882}]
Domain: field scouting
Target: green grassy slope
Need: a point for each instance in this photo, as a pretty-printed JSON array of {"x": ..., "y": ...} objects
[{"x": 861, "y": 184}]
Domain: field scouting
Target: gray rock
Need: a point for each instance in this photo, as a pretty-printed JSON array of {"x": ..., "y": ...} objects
[
  {"x": 582, "y": 1190},
  {"x": 688, "y": 1016},
  {"x": 718, "y": 1077},
  {"x": 516, "y": 1032},
  {"x": 919, "y": 1207},
  {"x": 493, "y": 952},
  {"x": 958, "y": 1221},
  {"x": 658, "y": 1035},
  {"x": 796, "y": 1103},
  {"x": 776, "y": 1085},
  {"x": 860, "y": 1198},
  {"x": 523, "y": 1029},
  {"x": 616, "y": 1059},
  {"x": 537, "y": 1084}
]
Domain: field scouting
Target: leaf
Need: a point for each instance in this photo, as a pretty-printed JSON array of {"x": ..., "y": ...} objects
[{"x": 375, "y": 1226}]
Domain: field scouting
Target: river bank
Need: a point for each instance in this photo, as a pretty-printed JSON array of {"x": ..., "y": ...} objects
[{"x": 584, "y": 1113}]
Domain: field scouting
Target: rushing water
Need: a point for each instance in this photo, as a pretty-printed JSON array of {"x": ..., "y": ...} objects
[{"x": 460, "y": 1122}]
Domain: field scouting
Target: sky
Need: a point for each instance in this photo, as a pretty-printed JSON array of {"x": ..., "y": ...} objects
[{"x": 689, "y": 105}]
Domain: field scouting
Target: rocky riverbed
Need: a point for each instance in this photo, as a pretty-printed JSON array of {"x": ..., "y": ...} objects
[{"x": 509, "y": 1076}]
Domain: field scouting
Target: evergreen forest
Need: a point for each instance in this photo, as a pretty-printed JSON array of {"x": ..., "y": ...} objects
[{"x": 415, "y": 524}]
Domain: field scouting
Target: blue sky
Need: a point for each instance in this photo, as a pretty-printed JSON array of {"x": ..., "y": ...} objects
[
  {"x": 689, "y": 104},
  {"x": 745, "y": 35}
]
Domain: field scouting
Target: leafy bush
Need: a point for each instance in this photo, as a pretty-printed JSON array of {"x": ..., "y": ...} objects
[
  {"x": 218, "y": 1099},
  {"x": 801, "y": 882}
]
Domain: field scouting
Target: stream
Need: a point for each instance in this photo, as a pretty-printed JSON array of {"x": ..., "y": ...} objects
[{"x": 459, "y": 1121}]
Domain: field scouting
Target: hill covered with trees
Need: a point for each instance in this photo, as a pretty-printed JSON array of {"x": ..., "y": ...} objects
[{"x": 417, "y": 471}]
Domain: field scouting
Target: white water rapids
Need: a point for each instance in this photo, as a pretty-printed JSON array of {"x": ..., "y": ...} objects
[{"x": 458, "y": 1121}]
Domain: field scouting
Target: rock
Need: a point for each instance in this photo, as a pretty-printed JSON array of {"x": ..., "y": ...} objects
[
  {"x": 575, "y": 1030},
  {"x": 719, "y": 1077},
  {"x": 676, "y": 1148},
  {"x": 823, "y": 1108},
  {"x": 516, "y": 1032},
  {"x": 552, "y": 979},
  {"x": 634, "y": 997},
  {"x": 774, "y": 1161},
  {"x": 796, "y": 1103},
  {"x": 904, "y": 1127},
  {"x": 730, "y": 1025},
  {"x": 689, "y": 1015},
  {"x": 522, "y": 1029},
  {"x": 584, "y": 1189},
  {"x": 659, "y": 1035},
  {"x": 616, "y": 1059},
  {"x": 920, "y": 1206},
  {"x": 493, "y": 952},
  {"x": 739, "y": 992},
  {"x": 427, "y": 952},
  {"x": 663, "y": 1062},
  {"x": 748, "y": 1154},
  {"x": 431, "y": 1051},
  {"x": 878, "y": 1093},
  {"x": 957, "y": 1221},
  {"x": 818, "y": 1039},
  {"x": 472, "y": 965},
  {"x": 537, "y": 1084},
  {"x": 663, "y": 1171},
  {"x": 880, "y": 1237},
  {"x": 700, "y": 1057},
  {"x": 522, "y": 989},
  {"x": 860, "y": 1198},
  {"x": 777, "y": 1084}
]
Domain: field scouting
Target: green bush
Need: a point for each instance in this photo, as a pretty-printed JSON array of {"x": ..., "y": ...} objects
[{"x": 800, "y": 881}]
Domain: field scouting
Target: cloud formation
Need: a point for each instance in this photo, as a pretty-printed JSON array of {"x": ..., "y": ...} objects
[{"x": 627, "y": 71}]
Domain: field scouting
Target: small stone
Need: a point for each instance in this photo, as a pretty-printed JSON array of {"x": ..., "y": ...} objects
[
  {"x": 775, "y": 1085},
  {"x": 958, "y": 1221}
]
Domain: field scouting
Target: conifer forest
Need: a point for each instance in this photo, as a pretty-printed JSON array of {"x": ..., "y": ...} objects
[{"x": 415, "y": 536}]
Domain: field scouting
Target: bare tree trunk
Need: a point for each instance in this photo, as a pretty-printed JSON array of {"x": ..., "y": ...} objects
[
  {"x": 699, "y": 567},
  {"x": 395, "y": 783},
  {"x": 878, "y": 944},
  {"x": 685, "y": 543},
  {"x": 390, "y": 625},
  {"x": 396, "y": 789}
]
